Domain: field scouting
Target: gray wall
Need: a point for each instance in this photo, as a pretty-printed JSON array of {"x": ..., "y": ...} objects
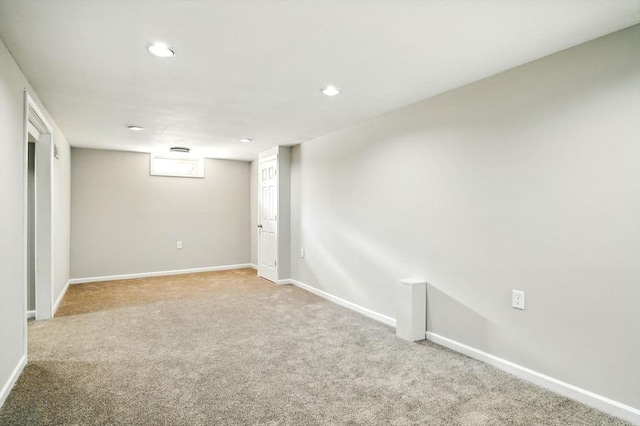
[
  {"x": 526, "y": 180},
  {"x": 61, "y": 216},
  {"x": 13, "y": 213},
  {"x": 254, "y": 212},
  {"x": 125, "y": 221}
]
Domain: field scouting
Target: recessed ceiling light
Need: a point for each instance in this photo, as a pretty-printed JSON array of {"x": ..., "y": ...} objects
[
  {"x": 135, "y": 128},
  {"x": 161, "y": 50},
  {"x": 179, "y": 149},
  {"x": 245, "y": 140},
  {"x": 330, "y": 91}
]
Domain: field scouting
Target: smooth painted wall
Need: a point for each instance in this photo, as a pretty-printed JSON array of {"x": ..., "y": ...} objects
[
  {"x": 526, "y": 180},
  {"x": 253, "y": 184},
  {"x": 61, "y": 217},
  {"x": 13, "y": 214},
  {"x": 125, "y": 221}
]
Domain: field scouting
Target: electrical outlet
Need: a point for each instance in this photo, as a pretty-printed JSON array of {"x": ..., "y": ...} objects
[
  {"x": 301, "y": 252},
  {"x": 179, "y": 244},
  {"x": 517, "y": 299}
]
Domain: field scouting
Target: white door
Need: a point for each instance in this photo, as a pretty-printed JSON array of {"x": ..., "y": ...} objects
[{"x": 268, "y": 219}]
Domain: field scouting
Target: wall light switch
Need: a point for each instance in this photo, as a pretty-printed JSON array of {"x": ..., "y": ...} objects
[
  {"x": 517, "y": 299},
  {"x": 301, "y": 252},
  {"x": 179, "y": 244}
]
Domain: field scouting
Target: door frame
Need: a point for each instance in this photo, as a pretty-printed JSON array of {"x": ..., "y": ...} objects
[
  {"x": 34, "y": 118},
  {"x": 264, "y": 159}
]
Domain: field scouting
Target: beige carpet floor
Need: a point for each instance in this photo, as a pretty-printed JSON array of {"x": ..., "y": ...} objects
[{"x": 228, "y": 348}]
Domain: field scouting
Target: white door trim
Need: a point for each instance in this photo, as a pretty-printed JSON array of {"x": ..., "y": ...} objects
[{"x": 34, "y": 120}]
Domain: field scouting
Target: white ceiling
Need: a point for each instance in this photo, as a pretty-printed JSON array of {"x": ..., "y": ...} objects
[{"x": 254, "y": 69}]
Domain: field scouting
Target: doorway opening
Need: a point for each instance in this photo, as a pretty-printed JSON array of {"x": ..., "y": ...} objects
[
  {"x": 31, "y": 226},
  {"x": 38, "y": 228}
]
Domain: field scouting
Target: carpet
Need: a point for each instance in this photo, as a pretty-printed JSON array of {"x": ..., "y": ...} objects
[{"x": 228, "y": 348}]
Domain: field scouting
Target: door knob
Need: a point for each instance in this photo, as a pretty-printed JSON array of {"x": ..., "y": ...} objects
[{"x": 259, "y": 226}]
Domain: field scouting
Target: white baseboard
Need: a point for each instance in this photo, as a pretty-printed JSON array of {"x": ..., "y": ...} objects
[
  {"x": 586, "y": 397},
  {"x": 31, "y": 314},
  {"x": 252, "y": 265},
  {"x": 565, "y": 389},
  {"x": 158, "y": 274},
  {"x": 337, "y": 300},
  {"x": 13, "y": 378},
  {"x": 57, "y": 304},
  {"x": 285, "y": 281}
]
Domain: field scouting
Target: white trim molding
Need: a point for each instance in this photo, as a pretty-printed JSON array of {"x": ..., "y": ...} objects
[
  {"x": 158, "y": 274},
  {"x": 31, "y": 314},
  {"x": 62, "y": 293},
  {"x": 13, "y": 378},
  {"x": 339, "y": 301},
  {"x": 565, "y": 389}
]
